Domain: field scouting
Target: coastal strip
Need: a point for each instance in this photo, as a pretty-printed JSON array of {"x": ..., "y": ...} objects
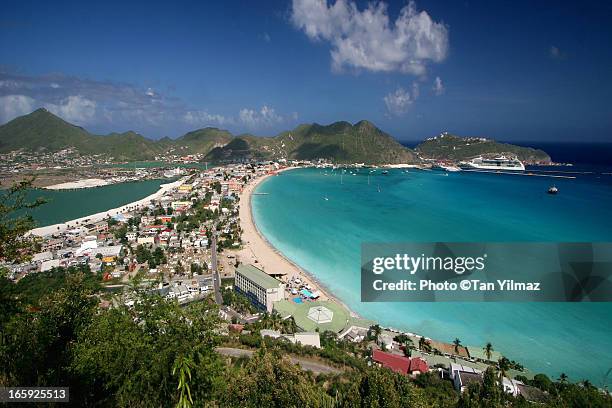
[
  {"x": 84, "y": 183},
  {"x": 63, "y": 226},
  {"x": 268, "y": 258}
]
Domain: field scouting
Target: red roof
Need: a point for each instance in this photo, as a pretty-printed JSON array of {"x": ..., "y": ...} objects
[
  {"x": 418, "y": 364},
  {"x": 394, "y": 362}
]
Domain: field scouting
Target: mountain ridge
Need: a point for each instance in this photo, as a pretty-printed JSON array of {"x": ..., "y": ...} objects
[{"x": 340, "y": 142}]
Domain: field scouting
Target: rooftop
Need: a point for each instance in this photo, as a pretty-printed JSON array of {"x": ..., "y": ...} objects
[
  {"x": 258, "y": 276},
  {"x": 393, "y": 362}
]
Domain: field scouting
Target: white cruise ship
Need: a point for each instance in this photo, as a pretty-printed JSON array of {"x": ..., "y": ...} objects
[{"x": 497, "y": 163}]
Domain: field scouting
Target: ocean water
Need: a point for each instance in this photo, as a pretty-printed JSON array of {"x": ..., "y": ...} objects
[
  {"x": 324, "y": 237},
  {"x": 64, "y": 205}
]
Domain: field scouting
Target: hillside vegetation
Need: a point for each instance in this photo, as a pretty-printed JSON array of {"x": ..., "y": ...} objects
[
  {"x": 339, "y": 142},
  {"x": 451, "y": 147}
]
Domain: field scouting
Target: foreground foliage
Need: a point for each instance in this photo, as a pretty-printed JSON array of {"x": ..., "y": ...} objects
[{"x": 159, "y": 354}]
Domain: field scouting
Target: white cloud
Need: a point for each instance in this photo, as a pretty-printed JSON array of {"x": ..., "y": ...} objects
[
  {"x": 265, "y": 117},
  {"x": 399, "y": 102},
  {"x": 12, "y": 106},
  {"x": 203, "y": 118},
  {"x": 438, "y": 86},
  {"x": 111, "y": 106},
  {"x": 369, "y": 40},
  {"x": 75, "y": 109}
]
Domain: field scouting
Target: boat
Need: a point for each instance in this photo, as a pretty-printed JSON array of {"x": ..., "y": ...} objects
[
  {"x": 553, "y": 190},
  {"x": 385, "y": 172},
  {"x": 496, "y": 163}
]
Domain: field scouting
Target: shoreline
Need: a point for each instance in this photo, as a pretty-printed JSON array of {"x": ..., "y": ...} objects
[
  {"x": 275, "y": 258},
  {"x": 79, "y": 184},
  {"x": 269, "y": 257},
  {"x": 77, "y": 222}
]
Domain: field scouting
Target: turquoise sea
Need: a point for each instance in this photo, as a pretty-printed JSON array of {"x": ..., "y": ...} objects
[
  {"x": 324, "y": 237},
  {"x": 64, "y": 205}
]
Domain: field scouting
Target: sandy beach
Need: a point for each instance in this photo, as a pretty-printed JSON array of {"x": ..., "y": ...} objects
[
  {"x": 268, "y": 258},
  {"x": 85, "y": 183},
  {"x": 55, "y": 228}
]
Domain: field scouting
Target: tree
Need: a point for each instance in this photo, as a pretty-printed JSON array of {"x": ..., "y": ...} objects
[
  {"x": 182, "y": 369},
  {"x": 15, "y": 222},
  {"x": 457, "y": 343},
  {"x": 504, "y": 365},
  {"x": 488, "y": 349},
  {"x": 563, "y": 378}
]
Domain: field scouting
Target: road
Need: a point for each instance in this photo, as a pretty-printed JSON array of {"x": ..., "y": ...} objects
[
  {"x": 215, "y": 271},
  {"x": 306, "y": 365}
]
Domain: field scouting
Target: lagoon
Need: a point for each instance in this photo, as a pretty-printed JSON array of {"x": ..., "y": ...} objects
[{"x": 64, "y": 205}]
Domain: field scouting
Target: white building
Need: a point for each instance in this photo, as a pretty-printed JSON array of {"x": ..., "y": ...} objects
[{"x": 258, "y": 286}]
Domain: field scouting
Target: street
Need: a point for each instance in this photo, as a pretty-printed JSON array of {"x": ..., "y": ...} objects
[
  {"x": 307, "y": 365},
  {"x": 215, "y": 272}
]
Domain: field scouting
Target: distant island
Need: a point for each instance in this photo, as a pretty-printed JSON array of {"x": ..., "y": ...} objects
[{"x": 340, "y": 142}]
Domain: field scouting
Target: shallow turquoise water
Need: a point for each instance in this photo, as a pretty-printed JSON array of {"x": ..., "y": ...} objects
[
  {"x": 64, "y": 205},
  {"x": 324, "y": 237}
]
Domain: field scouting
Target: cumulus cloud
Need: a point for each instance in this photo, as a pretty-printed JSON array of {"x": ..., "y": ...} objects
[
  {"x": 438, "y": 86},
  {"x": 75, "y": 109},
  {"x": 264, "y": 117},
  {"x": 12, "y": 106},
  {"x": 399, "y": 101},
  {"x": 369, "y": 40},
  {"x": 117, "y": 106},
  {"x": 202, "y": 117}
]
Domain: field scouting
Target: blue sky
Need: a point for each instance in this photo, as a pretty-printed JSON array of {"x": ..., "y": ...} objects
[{"x": 517, "y": 70}]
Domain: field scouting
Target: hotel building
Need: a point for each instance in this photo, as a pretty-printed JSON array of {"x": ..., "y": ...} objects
[{"x": 261, "y": 289}]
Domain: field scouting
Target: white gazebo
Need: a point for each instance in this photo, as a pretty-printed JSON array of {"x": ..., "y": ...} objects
[{"x": 320, "y": 314}]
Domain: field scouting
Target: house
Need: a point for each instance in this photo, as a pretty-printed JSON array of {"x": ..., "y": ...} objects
[
  {"x": 179, "y": 204},
  {"x": 131, "y": 236},
  {"x": 165, "y": 219},
  {"x": 394, "y": 362},
  {"x": 354, "y": 334},
  {"x": 463, "y": 376},
  {"x": 53, "y": 244},
  {"x": 386, "y": 340},
  {"x": 150, "y": 239},
  {"x": 41, "y": 257},
  {"x": 49, "y": 264},
  {"x": 418, "y": 366}
]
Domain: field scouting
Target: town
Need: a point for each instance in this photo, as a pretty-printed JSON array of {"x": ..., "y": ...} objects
[{"x": 186, "y": 245}]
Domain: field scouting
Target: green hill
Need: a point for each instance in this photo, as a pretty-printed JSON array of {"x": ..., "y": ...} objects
[
  {"x": 42, "y": 130},
  {"x": 340, "y": 142},
  {"x": 203, "y": 140},
  {"x": 452, "y": 147}
]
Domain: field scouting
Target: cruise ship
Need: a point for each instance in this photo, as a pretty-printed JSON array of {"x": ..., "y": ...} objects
[{"x": 497, "y": 163}]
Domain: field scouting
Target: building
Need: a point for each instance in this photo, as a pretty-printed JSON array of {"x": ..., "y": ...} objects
[
  {"x": 261, "y": 289},
  {"x": 463, "y": 376},
  {"x": 418, "y": 366},
  {"x": 311, "y": 339},
  {"x": 394, "y": 362}
]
